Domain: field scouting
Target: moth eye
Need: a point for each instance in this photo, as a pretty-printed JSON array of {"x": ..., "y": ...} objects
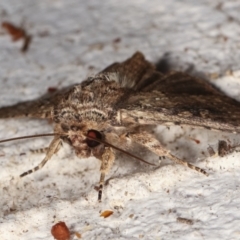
[{"x": 93, "y": 134}]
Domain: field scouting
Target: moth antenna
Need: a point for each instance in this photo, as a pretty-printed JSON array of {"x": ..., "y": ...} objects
[
  {"x": 120, "y": 150},
  {"x": 31, "y": 136}
]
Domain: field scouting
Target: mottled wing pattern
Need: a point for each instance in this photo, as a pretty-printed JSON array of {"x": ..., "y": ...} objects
[
  {"x": 158, "y": 108},
  {"x": 133, "y": 72},
  {"x": 38, "y": 108},
  {"x": 177, "y": 98},
  {"x": 34, "y": 109}
]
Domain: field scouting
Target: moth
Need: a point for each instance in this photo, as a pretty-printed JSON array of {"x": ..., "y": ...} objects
[{"x": 122, "y": 105}]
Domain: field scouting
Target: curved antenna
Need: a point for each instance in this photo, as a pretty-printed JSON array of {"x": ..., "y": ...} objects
[
  {"x": 120, "y": 150},
  {"x": 94, "y": 139},
  {"x": 31, "y": 136}
]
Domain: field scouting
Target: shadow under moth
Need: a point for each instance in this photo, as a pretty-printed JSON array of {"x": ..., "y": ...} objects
[{"x": 122, "y": 105}]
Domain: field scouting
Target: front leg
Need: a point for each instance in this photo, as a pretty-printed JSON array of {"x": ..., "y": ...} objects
[
  {"x": 107, "y": 159},
  {"x": 45, "y": 150},
  {"x": 150, "y": 142},
  {"x": 54, "y": 146}
]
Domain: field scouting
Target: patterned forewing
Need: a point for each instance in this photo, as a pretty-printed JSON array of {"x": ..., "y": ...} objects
[
  {"x": 174, "y": 98},
  {"x": 38, "y": 108},
  {"x": 205, "y": 108}
]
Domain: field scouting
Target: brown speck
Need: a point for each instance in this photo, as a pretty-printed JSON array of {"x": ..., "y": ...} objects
[
  {"x": 96, "y": 188},
  {"x": 78, "y": 235},
  {"x": 106, "y": 213},
  {"x": 91, "y": 67},
  {"x": 26, "y": 43},
  {"x": 52, "y": 89},
  {"x": 60, "y": 231},
  {"x": 185, "y": 220},
  {"x": 117, "y": 40},
  {"x": 12, "y": 209},
  {"x": 195, "y": 140},
  {"x": 17, "y": 33}
]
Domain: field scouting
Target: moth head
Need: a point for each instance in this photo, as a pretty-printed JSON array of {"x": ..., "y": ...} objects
[{"x": 81, "y": 138}]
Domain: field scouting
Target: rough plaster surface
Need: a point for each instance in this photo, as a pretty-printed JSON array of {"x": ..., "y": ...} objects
[{"x": 75, "y": 39}]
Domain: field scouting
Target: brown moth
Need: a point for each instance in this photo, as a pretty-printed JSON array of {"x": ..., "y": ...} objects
[{"x": 122, "y": 105}]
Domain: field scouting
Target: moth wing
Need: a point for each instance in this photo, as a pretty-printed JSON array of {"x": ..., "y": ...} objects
[
  {"x": 38, "y": 108},
  {"x": 174, "y": 98},
  {"x": 140, "y": 75},
  {"x": 35, "y": 109},
  {"x": 133, "y": 72},
  {"x": 178, "y": 98}
]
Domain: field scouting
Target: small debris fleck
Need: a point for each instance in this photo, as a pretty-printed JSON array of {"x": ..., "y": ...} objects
[
  {"x": 106, "y": 213},
  {"x": 78, "y": 235},
  {"x": 195, "y": 140},
  {"x": 15, "y": 32},
  {"x": 18, "y": 33},
  {"x": 52, "y": 89},
  {"x": 60, "y": 231},
  {"x": 185, "y": 220}
]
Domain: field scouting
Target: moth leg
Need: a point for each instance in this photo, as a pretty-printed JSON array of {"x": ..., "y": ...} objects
[
  {"x": 155, "y": 146},
  {"x": 51, "y": 150},
  {"x": 40, "y": 150},
  {"x": 44, "y": 150},
  {"x": 108, "y": 158}
]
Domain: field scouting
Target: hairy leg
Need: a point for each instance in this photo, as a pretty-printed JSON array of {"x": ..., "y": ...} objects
[
  {"x": 150, "y": 142},
  {"x": 108, "y": 158},
  {"x": 54, "y": 145}
]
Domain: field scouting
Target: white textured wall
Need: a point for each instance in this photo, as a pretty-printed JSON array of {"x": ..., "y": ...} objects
[{"x": 71, "y": 36}]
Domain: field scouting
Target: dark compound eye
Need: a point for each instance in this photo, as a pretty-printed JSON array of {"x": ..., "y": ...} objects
[{"x": 93, "y": 134}]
